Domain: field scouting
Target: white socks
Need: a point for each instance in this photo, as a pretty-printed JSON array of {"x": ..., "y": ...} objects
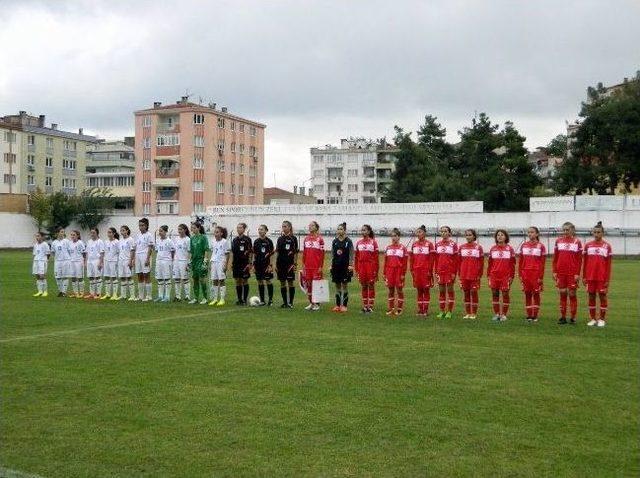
[
  {"x": 222, "y": 291},
  {"x": 187, "y": 289}
]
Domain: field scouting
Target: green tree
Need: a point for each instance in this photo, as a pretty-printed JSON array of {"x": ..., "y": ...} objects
[
  {"x": 558, "y": 146},
  {"x": 63, "y": 211},
  {"x": 40, "y": 208},
  {"x": 606, "y": 146},
  {"x": 93, "y": 206}
]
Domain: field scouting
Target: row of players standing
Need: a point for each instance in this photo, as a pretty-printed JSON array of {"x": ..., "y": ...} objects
[{"x": 114, "y": 260}]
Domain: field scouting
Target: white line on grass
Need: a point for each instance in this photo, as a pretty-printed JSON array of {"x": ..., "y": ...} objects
[
  {"x": 9, "y": 473},
  {"x": 113, "y": 326}
]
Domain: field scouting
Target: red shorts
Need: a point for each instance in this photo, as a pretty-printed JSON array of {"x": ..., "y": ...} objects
[
  {"x": 530, "y": 281},
  {"x": 367, "y": 275},
  {"x": 308, "y": 275},
  {"x": 596, "y": 287},
  {"x": 422, "y": 279},
  {"x": 499, "y": 283},
  {"x": 566, "y": 281},
  {"x": 470, "y": 284},
  {"x": 446, "y": 278},
  {"x": 394, "y": 277}
]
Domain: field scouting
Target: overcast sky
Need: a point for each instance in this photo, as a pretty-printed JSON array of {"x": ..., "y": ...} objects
[{"x": 315, "y": 72}]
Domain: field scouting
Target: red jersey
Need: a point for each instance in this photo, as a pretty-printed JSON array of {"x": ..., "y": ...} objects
[
  {"x": 471, "y": 262},
  {"x": 502, "y": 262},
  {"x": 313, "y": 253},
  {"x": 366, "y": 255},
  {"x": 567, "y": 256},
  {"x": 422, "y": 255},
  {"x": 597, "y": 261},
  {"x": 395, "y": 257},
  {"x": 532, "y": 258},
  {"x": 446, "y": 261}
]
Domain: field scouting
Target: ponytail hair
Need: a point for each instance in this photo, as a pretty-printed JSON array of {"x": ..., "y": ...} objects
[
  {"x": 316, "y": 224},
  {"x": 599, "y": 226},
  {"x": 126, "y": 228},
  {"x": 473, "y": 233},
  {"x": 422, "y": 228},
  {"x": 535, "y": 228},
  {"x": 395, "y": 231},
  {"x": 447, "y": 228},
  {"x": 223, "y": 231},
  {"x": 95, "y": 229},
  {"x": 265, "y": 227},
  {"x": 115, "y": 233},
  {"x": 503, "y": 231},
  {"x": 185, "y": 229},
  {"x": 343, "y": 225},
  {"x": 369, "y": 230}
]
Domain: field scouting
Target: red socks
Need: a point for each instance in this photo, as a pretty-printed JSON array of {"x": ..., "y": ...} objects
[
  {"x": 467, "y": 302},
  {"x": 535, "y": 305},
  {"x": 604, "y": 303},
  {"x": 442, "y": 300},
  {"x": 563, "y": 304},
  {"x": 505, "y": 302},
  {"x": 474, "y": 301},
  {"x": 424, "y": 297},
  {"x": 400, "y": 300},
  {"x": 592, "y": 306},
  {"x": 451, "y": 297},
  {"x": 573, "y": 305},
  {"x": 528, "y": 303}
]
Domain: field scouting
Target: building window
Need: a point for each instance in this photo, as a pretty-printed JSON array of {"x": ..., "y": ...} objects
[
  {"x": 168, "y": 140},
  {"x": 241, "y": 190},
  {"x": 69, "y": 145},
  {"x": 68, "y": 164},
  {"x": 221, "y": 144},
  {"x": 146, "y": 186},
  {"x": 9, "y": 137},
  {"x": 252, "y": 152},
  {"x": 252, "y": 130},
  {"x": 221, "y": 165},
  {"x": 146, "y": 121},
  {"x": 31, "y": 160},
  {"x": 9, "y": 178},
  {"x": 233, "y": 126},
  {"x": 31, "y": 140},
  {"x": 146, "y": 165},
  {"x": 146, "y": 143},
  {"x": 198, "y": 163},
  {"x": 198, "y": 208},
  {"x": 146, "y": 209},
  {"x": 233, "y": 168},
  {"x": 9, "y": 157},
  {"x": 241, "y": 148},
  {"x": 352, "y": 173},
  {"x": 198, "y": 186},
  {"x": 48, "y": 181},
  {"x": 48, "y": 162},
  {"x": 318, "y": 173},
  {"x": 31, "y": 180},
  {"x": 352, "y": 201},
  {"x": 49, "y": 142},
  {"x": 318, "y": 158},
  {"x": 252, "y": 171},
  {"x": 221, "y": 123},
  {"x": 68, "y": 183},
  {"x": 233, "y": 147},
  {"x": 352, "y": 188},
  {"x": 241, "y": 129},
  {"x": 252, "y": 191},
  {"x": 241, "y": 168},
  {"x": 220, "y": 188},
  {"x": 232, "y": 189},
  {"x": 318, "y": 189},
  {"x": 198, "y": 119},
  {"x": 198, "y": 141}
]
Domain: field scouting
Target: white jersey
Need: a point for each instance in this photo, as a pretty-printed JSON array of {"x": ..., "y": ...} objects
[
  {"x": 76, "y": 250},
  {"x": 219, "y": 249},
  {"x": 41, "y": 251},
  {"x": 111, "y": 250},
  {"x": 94, "y": 249},
  {"x": 61, "y": 249},
  {"x": 182, "y": 246},
  {"x": 143, "y": 243},
  {"x": 164, "y": 248},
  {"x": 126, "y": 246}
]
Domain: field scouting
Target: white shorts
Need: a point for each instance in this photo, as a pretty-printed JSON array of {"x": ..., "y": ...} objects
[
  {"x": 217, "y": 271},
  {"x": 92, "y": 268},
  {"x": 163, "y": 270},
  {"x": 124, "y": 271},
  {"x": 62, "y": 269},
  {"x": 110, "y": 269},
  {"x": 181, "y": 270},
  {"x": 39, "y": 268},
  {"x": 76, "y": 270},
  {"x": 140, "y": 267}
]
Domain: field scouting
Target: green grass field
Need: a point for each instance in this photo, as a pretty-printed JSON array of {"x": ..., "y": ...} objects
[{"x": 93, "y": 389}]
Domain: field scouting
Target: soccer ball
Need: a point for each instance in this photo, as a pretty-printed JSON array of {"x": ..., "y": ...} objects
[{"x": 255, "y": 301}]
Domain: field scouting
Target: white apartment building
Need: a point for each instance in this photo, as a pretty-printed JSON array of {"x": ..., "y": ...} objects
[
  {"x": 112, "y": 164},
  {"x": 357, "y": 172}
]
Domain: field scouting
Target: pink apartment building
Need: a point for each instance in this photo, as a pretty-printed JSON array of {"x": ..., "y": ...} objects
[{"x": 190, "y": 156}]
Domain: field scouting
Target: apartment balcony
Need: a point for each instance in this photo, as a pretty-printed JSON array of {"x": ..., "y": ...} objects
[
  {"x": 164, "y": 151},
  {"x": 163, "y": 182},
  {"x": 387, "y": 166},
  {"x": 164, "y": 171},
  {"x": 334, "y": 179},
  {"x": 384, "y": 176},
  {"x": 172, "y": 157},
  {"x": 164, "y": 127},
  {"x": 368, "y": 162},
  {"x": 168, "y": 194}
]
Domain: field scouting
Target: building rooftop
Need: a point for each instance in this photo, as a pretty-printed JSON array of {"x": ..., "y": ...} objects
[
  {"x": 185, "y": 104},
  {"x": 36, "y": 124}
]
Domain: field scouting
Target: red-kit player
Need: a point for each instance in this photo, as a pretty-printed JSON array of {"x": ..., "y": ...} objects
[
  {"x": 395, "y": 269},
  {"x": 596, "y": 274},
  {"x": 470, "y": 269},
  {"x": 501, "y": 269},
  {"x": 446, "y": 267},
  {"x": 312, "y": 262},
  {"x": 532, "y": 256},
  {"x": 422, "y": 256},
  {"x": 367, "y": 265},
  {"x": 567, "y": 261}
]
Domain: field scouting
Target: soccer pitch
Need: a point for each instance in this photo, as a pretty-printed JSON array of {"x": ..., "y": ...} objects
[{"x": 92, "y": 388}]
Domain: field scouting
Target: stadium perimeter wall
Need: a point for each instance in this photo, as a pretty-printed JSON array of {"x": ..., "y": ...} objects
[{"x": 622, "y": 226}]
